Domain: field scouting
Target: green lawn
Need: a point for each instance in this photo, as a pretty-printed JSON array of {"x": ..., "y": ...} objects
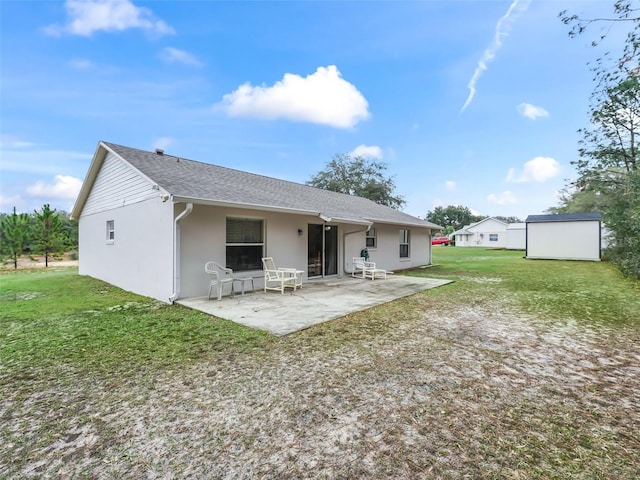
[
  {"x": 590, "y": 292},
  {"x": 57, "y": 317}
]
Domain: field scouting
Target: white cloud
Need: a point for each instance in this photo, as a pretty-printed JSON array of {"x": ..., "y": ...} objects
[
  {"x": 87, "y": 17},
  {"x": 322, "y": 97},
  {"x": 437, "y": 202},
  {"x": 538, "y": 169},
  {"x": 450, "y": 185},
  {"x": 65, "y": 187},
  {"x": 163, "y": 142},
  {"x": 81, "y": 64},
  {"x": 505, "y": 198},
  {"x": 10, "y": 201},
  {"x": 532, "y": 111},
  {"x": 503, "y": 27},
  {"x": 367, "y": 151},
  {"x": 174, "y": 55},
  {"x": 13, "y": 141}
]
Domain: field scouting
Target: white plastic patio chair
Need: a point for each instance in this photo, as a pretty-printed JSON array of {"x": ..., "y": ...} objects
[
  {"x": 280, "y": 278},
  {"x": 220, "y": 276},
  {"x": 361, "y": 267}
]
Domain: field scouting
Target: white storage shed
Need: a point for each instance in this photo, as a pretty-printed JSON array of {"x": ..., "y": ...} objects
[{"x": 571, "y": 236}]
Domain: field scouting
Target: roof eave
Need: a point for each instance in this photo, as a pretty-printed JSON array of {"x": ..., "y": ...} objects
[{"x": 246, "y": 206}]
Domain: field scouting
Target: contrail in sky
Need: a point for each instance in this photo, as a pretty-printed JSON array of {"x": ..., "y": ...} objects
[{"x": 503, "y": 27}]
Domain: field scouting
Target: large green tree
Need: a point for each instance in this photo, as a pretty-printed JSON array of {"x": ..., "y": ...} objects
[
  {"x": 452, "y": 217},
  {"x": 48, "y": 232},
  {"x": 609, "y": 159},
  {"x": 14, "y": 234},
  {"x": 358, "y": 176}
]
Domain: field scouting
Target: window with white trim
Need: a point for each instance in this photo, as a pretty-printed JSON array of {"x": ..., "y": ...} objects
[
  {"x": 111, "y": 231},
  {"x": 371, "y": 238},
  {"x": 404, "y": 243},
  {"x": 493, "y": 237},
  {"x": 245, "y": 244}
]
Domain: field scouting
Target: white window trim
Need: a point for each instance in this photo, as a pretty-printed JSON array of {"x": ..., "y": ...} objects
[
  {"x": 241, "y": 244},
  {"x": 111, "y": 232},
  {"x": 408, "y": 244},
  {"x": 374, "y": 237}
]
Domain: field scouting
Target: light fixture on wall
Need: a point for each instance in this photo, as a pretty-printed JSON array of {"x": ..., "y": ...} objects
[
  {"x": 327, "y": 228},
  {"x": 300, "y": 232}
]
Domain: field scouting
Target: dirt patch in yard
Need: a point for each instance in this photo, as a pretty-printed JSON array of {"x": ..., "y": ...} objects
[
  {"x": 38, "y": 261},
  {"x": 396, "y": 392}
]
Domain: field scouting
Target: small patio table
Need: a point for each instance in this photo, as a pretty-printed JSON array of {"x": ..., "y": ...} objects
[
  {"x": 374, "y": 273},
  {"x": 296, "y": 273},
  {"x": 243, "y": 281}
]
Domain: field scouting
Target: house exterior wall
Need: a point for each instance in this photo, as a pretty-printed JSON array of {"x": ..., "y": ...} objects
[
  {"x": 117, "y": 185},
  {"x": 463, "y": 240},
  {"x": 203, "y": 238},
  {"x": 139, "y": 258},
  {"x": 386, "y": 255},
  {"x": 480, "y": 235},
  {"x": 516, "y": 236},
  {"x": 575, "y": 240}
]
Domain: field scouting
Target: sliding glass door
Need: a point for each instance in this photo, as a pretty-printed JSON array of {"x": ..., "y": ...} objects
[{"x": 322, "y": 250}]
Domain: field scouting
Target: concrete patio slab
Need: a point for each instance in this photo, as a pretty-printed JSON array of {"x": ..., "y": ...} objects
[{"x": 316, "y": 302}]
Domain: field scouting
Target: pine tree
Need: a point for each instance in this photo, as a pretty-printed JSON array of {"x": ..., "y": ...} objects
[
  {"x": 15, "y": 230},
  {"x": 48, "y": 234}
]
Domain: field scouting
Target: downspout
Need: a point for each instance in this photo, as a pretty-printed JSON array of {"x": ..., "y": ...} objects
[
  {"x": 344, "y": 246},
  {"x": 176, "y": 252}
]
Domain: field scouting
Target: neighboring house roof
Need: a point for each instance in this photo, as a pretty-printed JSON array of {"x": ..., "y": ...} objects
[
  {"x": 203, "y": 183},
  {"x": 466, "y": 230},
  {"x": 564, "y": 217},
  {"x": 462, "y": 231}
]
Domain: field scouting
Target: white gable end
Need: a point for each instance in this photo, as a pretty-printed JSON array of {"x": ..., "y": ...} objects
[{"x": 117, "y": 185}]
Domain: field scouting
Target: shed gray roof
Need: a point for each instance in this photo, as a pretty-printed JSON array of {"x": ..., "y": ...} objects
[
  {"x": 189, "y": 180},
  {"x": 564, "y": 217}
]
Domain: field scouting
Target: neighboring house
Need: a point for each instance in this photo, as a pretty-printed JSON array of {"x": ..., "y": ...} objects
[
  {"x": 570, "y": 236},
  {"x": 149, "y": 222},
  {"x": 517, "y": 236},
  {"x": 488, "y": 232}
]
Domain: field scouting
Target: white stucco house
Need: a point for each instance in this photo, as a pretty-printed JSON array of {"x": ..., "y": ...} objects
[
  {"x": 488, "y": 232},
  {"x": 517, "y": 236},
  {"x": 570, "y": 236},
  {"x": 150, "y": 221}
]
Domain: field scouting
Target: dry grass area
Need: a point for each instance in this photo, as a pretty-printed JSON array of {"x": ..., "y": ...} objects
[
  {"x": 419, "y": 388},
  {"x": 38, "y": 261}
]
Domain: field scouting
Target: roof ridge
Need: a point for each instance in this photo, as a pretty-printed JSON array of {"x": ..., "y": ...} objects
[{"x": 244, "y": 172}]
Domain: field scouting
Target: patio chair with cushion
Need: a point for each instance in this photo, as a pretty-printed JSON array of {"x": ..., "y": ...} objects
[
  {"x": 219, "y": 277},
  {"x": 361, "y": 267},
  {"x": 280, "y": 278}
]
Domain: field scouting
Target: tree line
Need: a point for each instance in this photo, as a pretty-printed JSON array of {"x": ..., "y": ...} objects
[
  {"x": 45, "y": 232},
  {"x": 608, "y": 166}
]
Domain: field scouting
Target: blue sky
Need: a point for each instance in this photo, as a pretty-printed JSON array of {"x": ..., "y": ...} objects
[{"x": 472, "y": 103}]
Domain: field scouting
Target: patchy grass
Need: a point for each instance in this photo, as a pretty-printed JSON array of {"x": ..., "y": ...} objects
[
  {"x": 57, "y": 317},
  {"x": 507, "y": 373},
  {"x": 590, "y": 292}
]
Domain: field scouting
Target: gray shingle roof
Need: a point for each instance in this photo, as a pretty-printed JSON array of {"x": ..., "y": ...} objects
[
  {"x": 564, "y": 217},
  {"x": 205, "y": 182}
]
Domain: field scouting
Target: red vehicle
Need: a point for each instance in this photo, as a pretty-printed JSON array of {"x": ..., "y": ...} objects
[{"x": 440, "y": 241}]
